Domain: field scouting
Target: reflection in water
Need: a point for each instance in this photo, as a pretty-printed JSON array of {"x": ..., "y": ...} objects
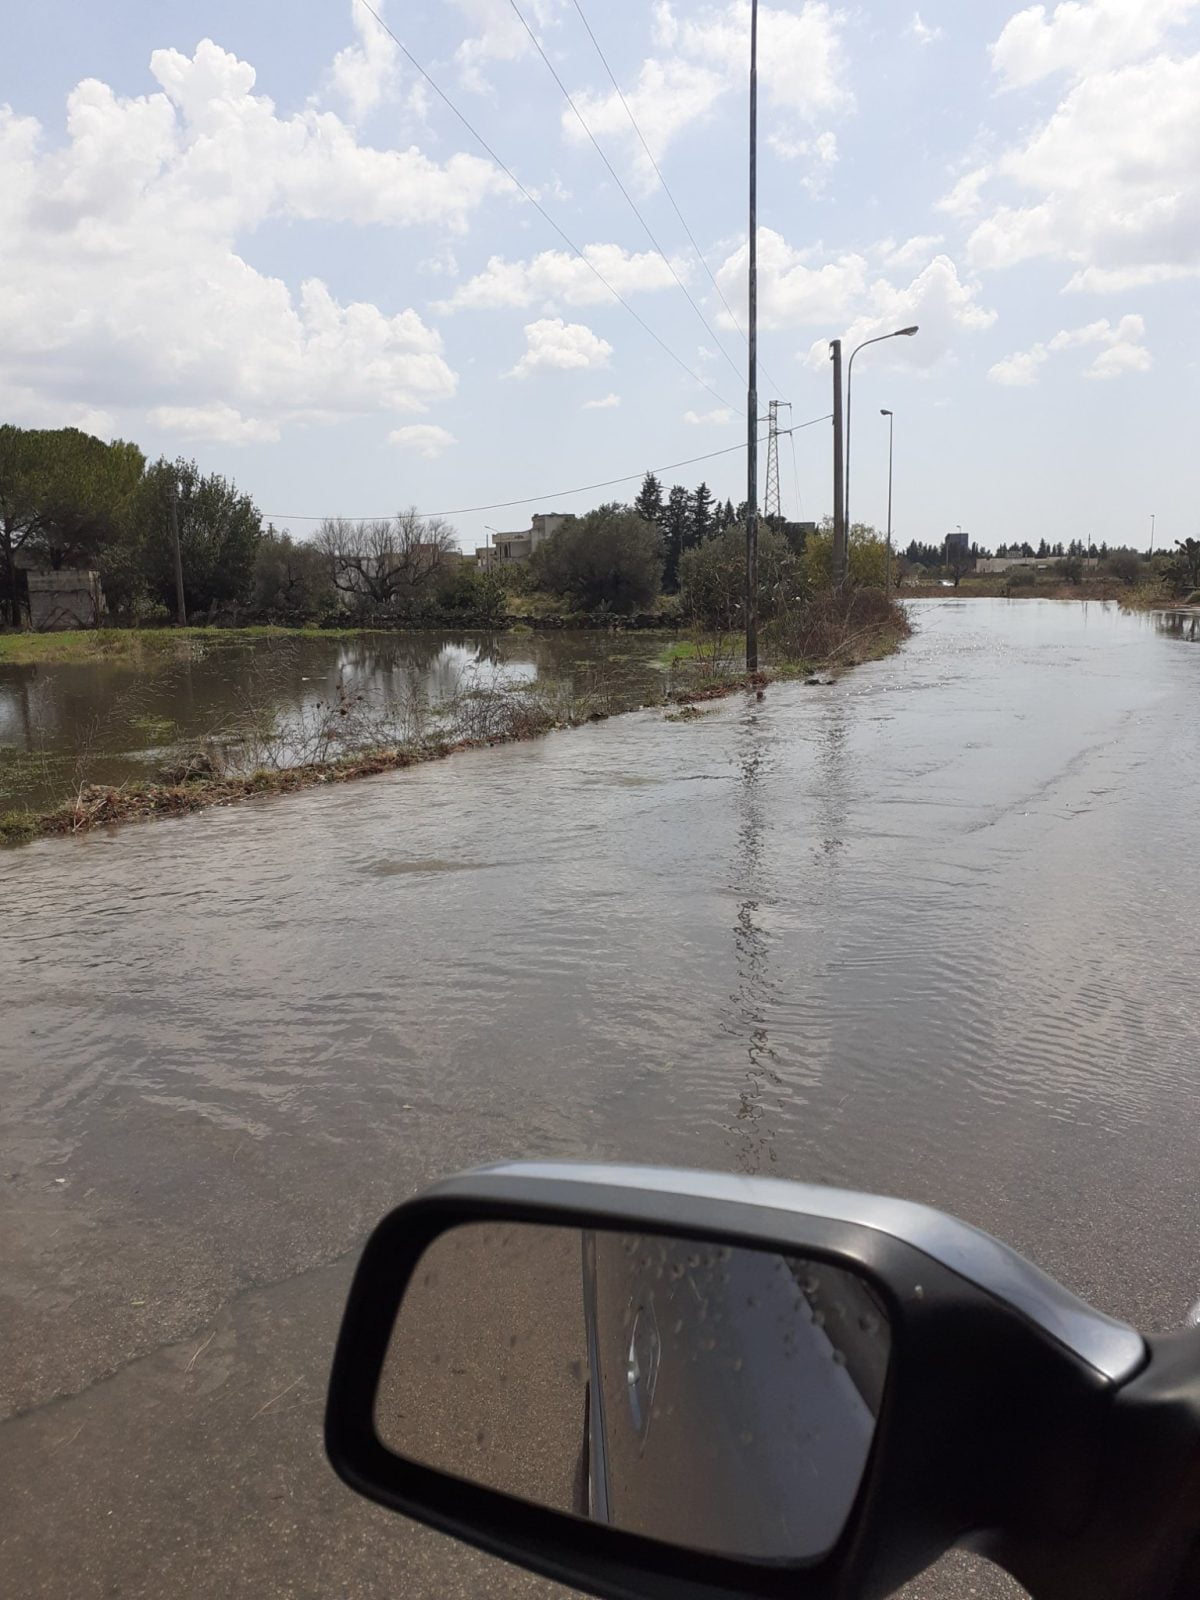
[
  {"x": 1179, "y": 624},
  {"x": 755, "y": 989}
]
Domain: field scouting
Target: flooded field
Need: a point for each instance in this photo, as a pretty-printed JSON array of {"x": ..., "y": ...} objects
[
  {"x": 270, "y": 699},
  {"x": 928, "y": 930}
]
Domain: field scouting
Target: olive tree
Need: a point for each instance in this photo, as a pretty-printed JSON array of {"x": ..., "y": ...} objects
[{"x": 609, "y": 560}]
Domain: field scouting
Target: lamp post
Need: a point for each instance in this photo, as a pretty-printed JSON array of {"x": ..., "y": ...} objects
[
  {"x": 887, "y": 581},
  {"x": 898, "y": 333}
]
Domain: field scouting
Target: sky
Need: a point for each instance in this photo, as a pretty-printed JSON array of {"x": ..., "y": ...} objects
[{"x": 258, "y": 236}]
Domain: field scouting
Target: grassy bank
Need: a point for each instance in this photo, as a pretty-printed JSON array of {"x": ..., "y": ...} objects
[{"x": 477, "y": 720}]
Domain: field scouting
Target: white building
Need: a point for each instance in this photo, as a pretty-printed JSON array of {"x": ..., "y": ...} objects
[{"x": 519, "y": 546}]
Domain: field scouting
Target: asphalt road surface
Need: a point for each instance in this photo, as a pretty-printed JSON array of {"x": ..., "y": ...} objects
[{"x": 929, "y": 930}]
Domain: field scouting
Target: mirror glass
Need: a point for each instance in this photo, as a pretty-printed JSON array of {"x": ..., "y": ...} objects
[{"x": 709, "y": 1395}]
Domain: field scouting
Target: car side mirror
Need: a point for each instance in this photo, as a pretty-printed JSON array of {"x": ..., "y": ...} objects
[{"x": 679, "y": 1384}]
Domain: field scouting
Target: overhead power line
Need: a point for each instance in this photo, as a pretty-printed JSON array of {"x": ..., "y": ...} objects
[
  {"x": 629, "y": 200},
  {"x": 658, "y": 172},
  {"x": 537, "y": 205},
  {"x": 532, "y": 499}
]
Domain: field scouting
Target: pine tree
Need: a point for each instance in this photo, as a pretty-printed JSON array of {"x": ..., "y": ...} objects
[
  {"x": 649, "y": 502},
  {"x": 701, "y": 521},
  {"x": 726, "y": 517},
  {"x": 676, "y": 525}
]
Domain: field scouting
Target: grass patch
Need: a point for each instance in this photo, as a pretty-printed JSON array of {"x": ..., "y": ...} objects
[
  {"x": 133, "y": 644},
  {"x": 678, "y": 650}
]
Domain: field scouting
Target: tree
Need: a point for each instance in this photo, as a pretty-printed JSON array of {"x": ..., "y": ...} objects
[
  {"x": 725, "y": 516},
  {"x": 65, "y": 496},
  {"x": 701, "y": 522},
  {"x": 219, "y": 530},
  {"x": 462, "y": 591},
  {"x": 868, "y": 558},
  {"x": 610, "y": 560},
  {"x": 1185, "y": 567},
  {"x": 675, "y": 526},
  {"x": 386, "y": 566},
  {"x": 291, "y": 579},
  {"x": 649, "y": 502},
  {"x": 712, "y": 577}
]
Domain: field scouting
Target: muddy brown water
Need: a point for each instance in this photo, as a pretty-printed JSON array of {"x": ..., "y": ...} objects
[
  {"x": 930, "y": 930},
  {"x": 264, "y": 699}
]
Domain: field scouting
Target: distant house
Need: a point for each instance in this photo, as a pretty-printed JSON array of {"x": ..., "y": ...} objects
[{"x": 507, "y": 547}]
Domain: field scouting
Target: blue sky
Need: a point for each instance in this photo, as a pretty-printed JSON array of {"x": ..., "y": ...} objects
[{"x": 254, "y": 235}]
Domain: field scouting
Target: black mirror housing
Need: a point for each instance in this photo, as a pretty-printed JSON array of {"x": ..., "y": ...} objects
[{"x": 996, "y": 1396}]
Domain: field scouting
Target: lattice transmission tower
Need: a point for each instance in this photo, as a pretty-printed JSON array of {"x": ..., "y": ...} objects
[{"x": 772, "y": 506}]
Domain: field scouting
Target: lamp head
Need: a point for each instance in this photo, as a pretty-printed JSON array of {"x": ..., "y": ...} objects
[{"x": 907, "y": 333}]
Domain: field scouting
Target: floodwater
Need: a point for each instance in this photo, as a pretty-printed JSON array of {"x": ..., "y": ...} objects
[
  {"x": 62, "y": 724},
  {"x": 930, "y": 930}
]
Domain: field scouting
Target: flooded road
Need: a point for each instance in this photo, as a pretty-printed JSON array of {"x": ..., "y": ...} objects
[{"x": 930, "y": 930}]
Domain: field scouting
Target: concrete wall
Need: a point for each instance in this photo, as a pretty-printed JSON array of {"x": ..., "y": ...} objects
[
  {"x": 66, "y": 599},
  {"x": 1039, "y": 563}
]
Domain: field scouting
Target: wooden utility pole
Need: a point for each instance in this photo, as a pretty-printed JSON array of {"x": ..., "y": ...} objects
[
  {"x": 180, "y": 606},
  {"x": 752, "y": 368},
  {"x": 841, "y": 548}
]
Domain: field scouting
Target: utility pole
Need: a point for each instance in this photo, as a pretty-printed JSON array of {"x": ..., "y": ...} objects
[
  {"x": 841, "y": 549},
  {"x": 752, "y": 367},
  {"x": 180, "y": 607},
  {"x": 772, "y": 500},
  {"x": 1150, "y": 552}
]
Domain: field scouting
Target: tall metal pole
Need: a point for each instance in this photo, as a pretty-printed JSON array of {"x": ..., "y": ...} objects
[
  {"x": 1150, "y": 552},
  {"x": 752, "y": 368},
  {"x": 887, "y": 581},
  {"x": 841, "y": 549},
  {"x": 180, "y": 607}
]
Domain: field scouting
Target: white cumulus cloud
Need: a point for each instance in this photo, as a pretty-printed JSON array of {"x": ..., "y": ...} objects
[
  {"x": 698, "y": 419},
  {"x": 605, "y": 403},
  {"x": 426, "y": 438},
  {"x": 554, "y": 345},
  {"x": 802, "y": 74},
  {"x": 924, "y": 32},
  {"x": 845, "y": 297},
  {"x": 1108, "y": 182},
  {"x": 498, "y": 34},
  {"x": 362, "y": 73},
  {"x": 1121, "y": 351},
  {"x": 1081, "y": 38},
  {"x": 122, "y": 286},
  {"x": 557, "y": 276}
]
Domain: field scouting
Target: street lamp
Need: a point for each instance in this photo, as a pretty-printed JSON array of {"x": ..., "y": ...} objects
[
  {"x": 887, "y": 581},
  {"x": 899, "y": 333}
]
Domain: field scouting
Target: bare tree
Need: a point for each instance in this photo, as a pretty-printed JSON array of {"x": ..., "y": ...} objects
[{"x": 389, "y": 565}]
